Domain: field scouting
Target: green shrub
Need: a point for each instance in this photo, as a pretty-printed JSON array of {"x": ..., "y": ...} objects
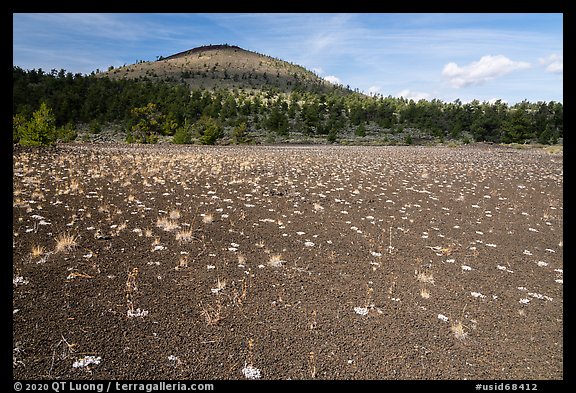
[
  {"x": 18, "y": 121},
  {"x": 67, "y": 133},
  {"x": 183, "y": 135},
  {"x": 146, "y": 126},
  {"x": 240, "y": 134},
  {"x": 40, "y": 130},
  {"x": 360, "y": 130},
  {"x": 332, "y": 136},
  {"x": 208, "y": 130},
  {"x": 95, "y": 127}
]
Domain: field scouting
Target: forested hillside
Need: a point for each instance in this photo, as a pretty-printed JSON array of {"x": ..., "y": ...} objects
[{"x": 145, "y": 109}]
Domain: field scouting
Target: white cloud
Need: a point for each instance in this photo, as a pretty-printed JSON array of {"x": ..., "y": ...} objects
[
  {"x": 374, "y": 90},
  {"x": 413, "y": 95},
  {"x": 494, "y": 100},
  {"x": 333, "y": 79},
  {"x": 554, "y": 63},
  {"x": 318, "y": 70},
  {"x": 481, "y": 71}
]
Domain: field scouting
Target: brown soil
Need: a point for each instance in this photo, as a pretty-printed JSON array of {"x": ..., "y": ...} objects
[{"x": 297, "y": 262}]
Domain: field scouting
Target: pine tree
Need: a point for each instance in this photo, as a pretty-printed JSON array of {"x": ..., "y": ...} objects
[
  {"x": 40, "y": 130},
  {"x": 208, "y": 130},
  {"x": 147, "y": 125}
]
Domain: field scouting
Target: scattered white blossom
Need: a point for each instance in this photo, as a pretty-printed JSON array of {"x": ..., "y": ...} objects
[
  {"x": 361, "y": 310},
  {"x": 86, "y": 361},
  {"x": 137, "y": 313},
  {"x": 19, "y": 280},
  {"x": 443, "y": 317},
  {"x": 251, "y": 372}
]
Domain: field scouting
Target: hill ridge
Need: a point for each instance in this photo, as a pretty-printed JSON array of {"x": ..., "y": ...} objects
[
  {"x": 200, "y": 49},
  {"x": 227, "y": 66}
]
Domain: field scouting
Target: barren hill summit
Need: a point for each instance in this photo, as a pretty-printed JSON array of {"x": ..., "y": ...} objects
[{"x": 226, "y": 67}]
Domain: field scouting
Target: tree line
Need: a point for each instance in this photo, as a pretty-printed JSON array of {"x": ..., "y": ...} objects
[{"x": 145, "y": 109}]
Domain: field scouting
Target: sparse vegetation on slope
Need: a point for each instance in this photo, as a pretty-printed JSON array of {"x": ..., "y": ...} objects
[{"x": 225, "y": 67}]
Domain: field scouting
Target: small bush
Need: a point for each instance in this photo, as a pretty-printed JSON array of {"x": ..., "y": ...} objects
[
  {"x": 332, "y": 137},
  {"x": 95, "y": 127},
  {"x": 67, "y": 133},
  {"x": 40, "y": 130},
  {"x": 240, "y": 134},
  {"x": 18, "y": 121},
  {"x": 146, "y": 126},
  {"x": 183, "y": 135},
  {"x": 360, "y": 130},
  {"x": 209, "y": 130}
]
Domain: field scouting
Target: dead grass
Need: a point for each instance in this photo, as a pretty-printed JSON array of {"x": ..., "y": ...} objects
[
  {"x": 166, "y": 224},
  {"x": 66, "y": 242},
  {"x": 220, "y": 285},
  {"x": 184, "y": 235},
  {"x": 425, "y": 277},
  {"x": 312, "y": 365},
  {"x": 37, "y": 251},
  {"x": 425, "y": 293},
  {"x": 182, "y": 262},
  {"x": 212, "y": 315},
  {"x": 554, "y": 149},
  {"x": 458, "y": 330},
  {"x": 275, "y": 260}
]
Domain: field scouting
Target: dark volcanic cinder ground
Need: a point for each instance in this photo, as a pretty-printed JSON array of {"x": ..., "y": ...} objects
[{"x": 287, "y": 263}]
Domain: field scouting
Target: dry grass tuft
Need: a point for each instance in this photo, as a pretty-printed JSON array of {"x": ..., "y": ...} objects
[
  {"x": 212, "y": 315},
  {"x": 458, "y": 330},
  {"x": 184, "y": 235},
  {"x": 208, "y": 218},
  {"x": 220, "y": 285},
  {"x": 66, "y": 242},
  {"x": 312, "y": 365},
  {"x": 174, "y": 214},
  {"x": 166, "y": 224},
  {"x": 447, "y": 251},
  {"x": 182, "y": 262},
  {"x": 37, "y": 251},
  {"x": 275, "y": 260},
  {"x": 425, "y": 293},
  {"x": 424, "y": 277}
]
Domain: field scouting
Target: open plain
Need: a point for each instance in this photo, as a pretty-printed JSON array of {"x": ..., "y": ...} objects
[{"x": 287, "y": 262}]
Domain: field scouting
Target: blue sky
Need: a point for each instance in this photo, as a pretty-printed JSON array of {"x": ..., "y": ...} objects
[{"x": 450, "y": 56}]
